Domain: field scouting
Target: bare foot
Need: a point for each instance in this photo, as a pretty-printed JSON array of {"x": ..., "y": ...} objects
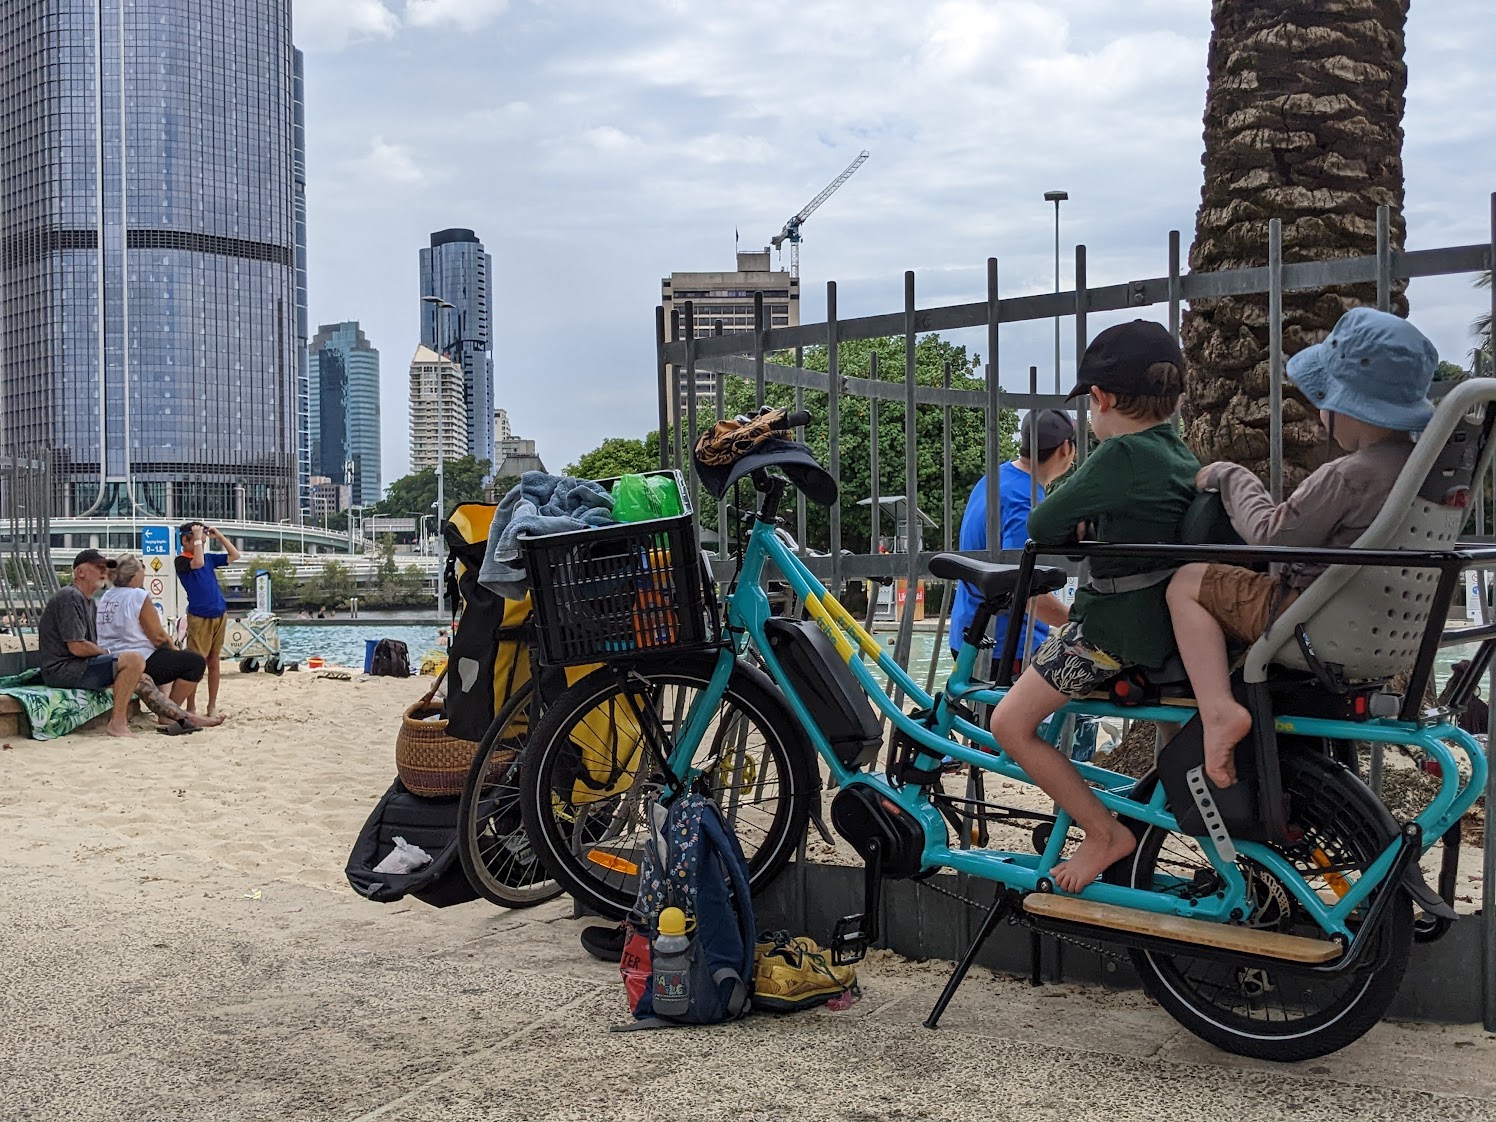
[
  {"x": 122, "y": 730},
  {"x": 203, "y": 722},
  {"x": 1095, "y": 855},
  {"x": 1224, "y": 730},
  {"x": 214, "y": 711}
]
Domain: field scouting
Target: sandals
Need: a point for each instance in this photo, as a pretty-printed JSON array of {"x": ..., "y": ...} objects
[{"x": 177, "y": 728}]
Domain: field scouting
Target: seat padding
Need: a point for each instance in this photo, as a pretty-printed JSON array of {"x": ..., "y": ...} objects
[{"x": 994, "y": 582}]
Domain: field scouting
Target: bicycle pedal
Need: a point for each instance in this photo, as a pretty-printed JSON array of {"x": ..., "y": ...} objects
[{"x": 849, "y": 941}]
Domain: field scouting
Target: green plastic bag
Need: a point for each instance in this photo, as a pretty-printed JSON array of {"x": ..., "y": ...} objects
[
  {"x": 631, "y": 499},
  {"x": 664, "y": 495},
  {"x": 637, "y": 498}
]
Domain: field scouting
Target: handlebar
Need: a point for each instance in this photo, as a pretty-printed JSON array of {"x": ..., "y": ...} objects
[{"x": 795, "y": 419}]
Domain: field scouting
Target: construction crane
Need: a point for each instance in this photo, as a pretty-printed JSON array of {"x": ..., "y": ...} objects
[{"x": 791, "y": 231}]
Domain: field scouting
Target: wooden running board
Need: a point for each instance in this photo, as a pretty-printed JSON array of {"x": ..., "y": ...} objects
[{"x": 1242, "y": 940}]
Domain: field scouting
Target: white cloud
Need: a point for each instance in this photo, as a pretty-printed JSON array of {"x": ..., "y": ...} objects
[
  {"x": 466, "y": 15},
  {"x": 330, "y": 25},
  {"x": 389, "y": 163}
]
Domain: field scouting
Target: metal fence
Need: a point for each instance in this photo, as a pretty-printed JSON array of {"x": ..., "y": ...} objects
[
  {"x": 27, "y": 579},
  {"x": 682, "y": 356}
]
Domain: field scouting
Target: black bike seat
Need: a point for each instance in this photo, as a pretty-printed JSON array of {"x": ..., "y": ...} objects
[{"x": 994, "y": 582}]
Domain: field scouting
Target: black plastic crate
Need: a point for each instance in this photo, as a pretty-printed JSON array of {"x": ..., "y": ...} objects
[{"x": 618, "y": 592}]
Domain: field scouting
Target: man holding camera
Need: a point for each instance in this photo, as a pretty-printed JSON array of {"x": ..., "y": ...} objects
[{"x": 206, "y": 609}]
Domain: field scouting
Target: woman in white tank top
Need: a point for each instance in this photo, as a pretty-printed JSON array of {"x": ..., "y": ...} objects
[{"x": 128, "y": 621}]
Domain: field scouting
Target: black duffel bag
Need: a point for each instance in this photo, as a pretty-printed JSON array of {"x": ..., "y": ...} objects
[{"x": 428, "y": 823}]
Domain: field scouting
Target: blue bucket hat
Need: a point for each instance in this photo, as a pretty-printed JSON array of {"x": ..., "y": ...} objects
[{"x": 1373, "y": 366}]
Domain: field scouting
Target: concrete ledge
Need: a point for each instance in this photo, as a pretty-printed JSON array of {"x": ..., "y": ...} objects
[{"x": 1442, "y": 983}]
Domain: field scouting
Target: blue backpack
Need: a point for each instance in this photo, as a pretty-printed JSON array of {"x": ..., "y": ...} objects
[{"x": 693, "y": 862}]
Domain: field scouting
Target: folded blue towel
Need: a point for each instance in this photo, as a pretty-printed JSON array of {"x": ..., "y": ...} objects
[{"x": 539, "y": 504}]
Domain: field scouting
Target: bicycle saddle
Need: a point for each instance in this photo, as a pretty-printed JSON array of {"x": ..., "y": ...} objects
[{"x": 994, "y": 582}]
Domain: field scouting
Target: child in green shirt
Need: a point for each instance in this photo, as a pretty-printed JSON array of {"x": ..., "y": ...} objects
[{"x": 1135, "y": 487}]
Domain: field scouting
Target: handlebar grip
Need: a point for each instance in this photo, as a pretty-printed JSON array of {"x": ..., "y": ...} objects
[{"x": 796, "y": 419}]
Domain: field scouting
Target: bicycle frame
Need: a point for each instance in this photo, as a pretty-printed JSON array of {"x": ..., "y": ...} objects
[{"x": 747, "y": 610}]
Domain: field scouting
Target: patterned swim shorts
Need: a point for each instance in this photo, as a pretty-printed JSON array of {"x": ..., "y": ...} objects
[{"x": 1072, "y": 665}]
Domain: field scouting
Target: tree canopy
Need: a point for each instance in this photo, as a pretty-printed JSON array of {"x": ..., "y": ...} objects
[
  {"x": 618, "y": 455},
  {"x": 414, "y": 494}
]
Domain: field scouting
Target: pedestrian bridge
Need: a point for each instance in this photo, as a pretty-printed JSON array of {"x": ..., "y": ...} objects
[{"x": 116, "y": 535}]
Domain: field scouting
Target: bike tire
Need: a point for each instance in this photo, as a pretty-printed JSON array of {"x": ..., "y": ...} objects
[
  {"x": 1334, "y": 819},
  {"x": 496, "y": 853},
  {"x": 590, "y": 832}
]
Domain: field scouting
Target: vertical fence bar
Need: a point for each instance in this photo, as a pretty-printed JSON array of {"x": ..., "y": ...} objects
[
  {"x": 671, "y": 440},
  {"x": 994, "y": 418},
  {"x": 1488, "y": 868},
  {"x": 720, "y": 386},
  {"x": 904, "y": 646},
  {"x": 1176, "y": 286},
  {"x": 1032, "y": 452},
  {"x": 1275, "y": 356},
  {"x": 688, "y": 460},
  {"x": 1384, "y": 258},
  {"x": 875, "y": 468},
  {"x": 875, "y": 493},
  {"x": 833, "y": 421},
  {"x": 758, "y": 349},
  {"x": 913, "y": 531},
  {"x": 800, "y": 514},
  {"x": 1082, "y": 416},
  {"x": 1175, "y": 290},
  {"x": 663, "y": 373},
  {"x": 948, "y": 590}
]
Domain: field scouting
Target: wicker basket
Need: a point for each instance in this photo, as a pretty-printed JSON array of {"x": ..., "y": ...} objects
[{"x": 429, "y": 761}]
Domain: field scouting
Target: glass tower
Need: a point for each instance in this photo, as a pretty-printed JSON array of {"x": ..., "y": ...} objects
[
  {"x": 149, "y": 249},
  {"x": 345, "y": 410},
  {"x": 455, "y": 269}
]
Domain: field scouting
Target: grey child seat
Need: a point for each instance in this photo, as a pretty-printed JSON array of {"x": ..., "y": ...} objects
[{"x": 1370, "y": 621}]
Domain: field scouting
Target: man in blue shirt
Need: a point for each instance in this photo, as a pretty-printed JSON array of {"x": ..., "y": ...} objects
[
  {"x": 206, "y": 610},
  {"x": 1048, "y": 437}
]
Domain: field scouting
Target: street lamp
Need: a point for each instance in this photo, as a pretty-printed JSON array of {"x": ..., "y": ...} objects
[
  {"x": 1056, "y": 197},
  {"x": 441, "y": 450},
  {"x": 281, "y": 534}
]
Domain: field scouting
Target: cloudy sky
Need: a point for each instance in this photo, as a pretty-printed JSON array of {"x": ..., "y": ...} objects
[{"x": 597, "y": 145}]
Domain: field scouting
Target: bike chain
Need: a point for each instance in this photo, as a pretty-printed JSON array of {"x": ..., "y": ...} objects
[{"x": 1017, "y": 920}]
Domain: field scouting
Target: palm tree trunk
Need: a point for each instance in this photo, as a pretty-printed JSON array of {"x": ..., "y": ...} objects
[{"x": 1303, "y": 122}]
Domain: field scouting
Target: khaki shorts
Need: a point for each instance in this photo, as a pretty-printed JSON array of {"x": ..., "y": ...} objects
[
  {"x": 1242, "y": 601},
  {"x": 205, "y": 636}
]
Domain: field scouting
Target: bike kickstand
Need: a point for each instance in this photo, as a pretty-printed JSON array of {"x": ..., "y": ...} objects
[{"x": 1001, "y": 904}]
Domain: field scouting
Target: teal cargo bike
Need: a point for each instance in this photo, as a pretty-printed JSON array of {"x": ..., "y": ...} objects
[{"x": 1274, "y": 918}]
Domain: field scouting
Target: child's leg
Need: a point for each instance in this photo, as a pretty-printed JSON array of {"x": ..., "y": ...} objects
[
  {"x": 1015, "y": 724},
  {"x": 1202, "y": 647}
]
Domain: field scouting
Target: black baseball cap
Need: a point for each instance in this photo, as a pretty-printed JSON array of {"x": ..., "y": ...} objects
[
  {"x": 92, "y": 557},
  {"x": 1118, "y": 360},
  {"x": 1054, "y": 425}
]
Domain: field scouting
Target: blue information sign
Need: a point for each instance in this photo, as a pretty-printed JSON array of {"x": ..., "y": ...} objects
[{"x": 155, "y": 541}]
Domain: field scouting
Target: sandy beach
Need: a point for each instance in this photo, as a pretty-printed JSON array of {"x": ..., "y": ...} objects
[{"x": 180, "y": 943}]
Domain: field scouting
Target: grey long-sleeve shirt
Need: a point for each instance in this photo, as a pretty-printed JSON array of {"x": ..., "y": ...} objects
[{"x": 1332, "y": 508}]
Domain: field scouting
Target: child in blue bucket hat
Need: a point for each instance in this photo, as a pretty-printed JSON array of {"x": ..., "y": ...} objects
[{"x": 1369, "y": 380}]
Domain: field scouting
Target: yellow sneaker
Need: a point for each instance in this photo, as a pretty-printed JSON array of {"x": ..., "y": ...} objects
[{"x": 790, "y": 974}]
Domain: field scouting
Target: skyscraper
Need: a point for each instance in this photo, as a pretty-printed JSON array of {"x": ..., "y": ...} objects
[
  {"x": 437, "y": 417},
  {"x": 456, "y": 270},
  {"x": 149, "y": 251},
  {"x": 728, "y": 298},
  {"x": 343, "y": 413}
]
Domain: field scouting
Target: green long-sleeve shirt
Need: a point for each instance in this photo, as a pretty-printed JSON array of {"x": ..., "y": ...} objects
[{"x": 1132, "y": 488}]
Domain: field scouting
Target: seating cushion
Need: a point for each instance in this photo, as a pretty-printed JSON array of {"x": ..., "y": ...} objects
[{"x": 994, "y": 582}]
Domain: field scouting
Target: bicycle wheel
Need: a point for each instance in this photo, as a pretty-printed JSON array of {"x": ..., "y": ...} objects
[
  {"x": 1281, "y": 1013},
  {"x": 496, "y": 854},
  {"x": 593, "y": 767}
]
